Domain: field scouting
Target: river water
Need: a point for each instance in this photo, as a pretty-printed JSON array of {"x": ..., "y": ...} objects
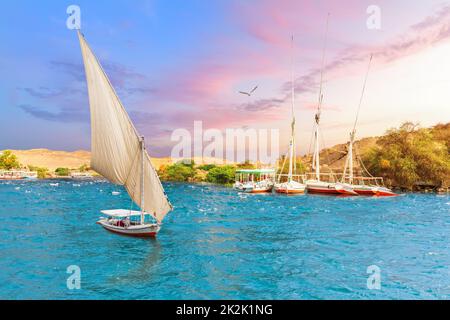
[{"x": 221, "y": 244}]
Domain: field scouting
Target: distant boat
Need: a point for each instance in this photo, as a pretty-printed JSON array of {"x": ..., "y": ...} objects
[
  {"x": 81, "y": 175},
  {"x": 17, "y": 175},
  {"x": 119, "y": 155},
  {"x": 254, "y": 180},
  {"x": 10, "y": 175},
  {"x": 316, "y": 185},
  {"x": 363, "y": 185},
  {"x": 291, "y": 186}
]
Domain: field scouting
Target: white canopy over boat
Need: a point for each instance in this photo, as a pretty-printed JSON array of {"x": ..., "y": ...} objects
[
  {"x": 121, "y": 213},
  {"x": 118, "y": 152}
]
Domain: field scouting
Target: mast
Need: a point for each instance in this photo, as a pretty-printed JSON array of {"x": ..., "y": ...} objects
[
  {"x": 292, "y": 141},
  {"x": 353, "y": 132},
  {"x": 142, "y": 179},
  {"x": 316, "y": 157},
  {"x": 350, "y": 157}
]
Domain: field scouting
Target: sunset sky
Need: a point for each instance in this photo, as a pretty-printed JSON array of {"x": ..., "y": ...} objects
[{"x": 174, "y": 62}]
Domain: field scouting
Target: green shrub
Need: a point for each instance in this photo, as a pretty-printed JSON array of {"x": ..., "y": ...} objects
[
  {"x": 221, "y": 175},
  {"x": 62, "y": 172},
  {"x": 177, "y": 172},
  {"x": 206, "y": 167},
  {"x": 42, "y": 173}
]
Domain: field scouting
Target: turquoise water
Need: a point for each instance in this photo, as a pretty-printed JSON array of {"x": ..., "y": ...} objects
[{"x": 220, "y": 244}]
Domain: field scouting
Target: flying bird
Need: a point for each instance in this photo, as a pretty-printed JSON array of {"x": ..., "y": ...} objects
[{"x": 249, "y": 93}]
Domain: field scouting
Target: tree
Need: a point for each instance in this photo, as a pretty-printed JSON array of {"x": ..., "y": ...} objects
[
  {"x": 8, "y": 160},
  {"x": 409, "y": 155},
  {"x": 42, "y": 173},
  {"x": 221, "y": 175},
  {"x": 177, "y": 172},
  {"x": 62, "y": 172},
  {"x": 206, "y": 167}
]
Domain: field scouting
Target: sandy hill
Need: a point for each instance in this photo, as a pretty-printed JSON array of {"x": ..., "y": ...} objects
[
  {"x": 52, "y": 159},
  {"x": 335, "y": 156}
]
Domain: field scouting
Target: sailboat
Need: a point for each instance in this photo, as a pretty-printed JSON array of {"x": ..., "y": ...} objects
[
  {"x": 119, "y": 154},
  {"x": 291, "y": 186},
  {"x": 364, "y": 185},
  {"x": 317, "y": 185}
]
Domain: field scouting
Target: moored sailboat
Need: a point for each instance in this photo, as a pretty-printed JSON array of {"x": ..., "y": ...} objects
[
  {"x": 316, "y": 185},
  {"x": 118, "y": 153},
  {"x": 291, "y": 186},
  {"x": 362, "y": 185}
]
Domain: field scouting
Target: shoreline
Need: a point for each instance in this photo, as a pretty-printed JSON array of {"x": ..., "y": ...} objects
[{"x": 205, "y": 183}]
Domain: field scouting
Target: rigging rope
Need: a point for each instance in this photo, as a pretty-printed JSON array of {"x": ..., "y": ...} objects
[
  {"x": 358, "y": 156},
  {"x": 282, "y": 168},
  {"x": 321, "y": 72},
  {"x": 362, "y": 94}
]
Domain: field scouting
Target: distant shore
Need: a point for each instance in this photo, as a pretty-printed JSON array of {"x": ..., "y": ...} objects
[{"x": 407, "y": 158}]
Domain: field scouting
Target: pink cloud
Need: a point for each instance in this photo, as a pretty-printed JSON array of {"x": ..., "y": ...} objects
[
  {"x": 313, "y": 106},
  {"x": 416, "y": 38},
  {"x": 272, "y": 21},
  {"x": 202, "y": 90}
]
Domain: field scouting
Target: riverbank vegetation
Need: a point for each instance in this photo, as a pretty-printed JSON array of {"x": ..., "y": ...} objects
[
  {"x": 411, "y": 157},
  {"x": 8, "y": 161},
  {"x": 188, "y": 171},
  {"x": 408, "y": 157}
]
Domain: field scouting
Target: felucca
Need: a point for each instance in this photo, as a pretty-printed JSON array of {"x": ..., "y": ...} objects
[
  {"x": 118, "y": 154},
  {"x": 317, "y": 185},
  {"x": 362, "y": 185},
  {"x": 291, "y": 186}
]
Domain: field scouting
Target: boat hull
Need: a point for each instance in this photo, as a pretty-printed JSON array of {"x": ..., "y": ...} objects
[
  {"x": 140, "y": 231},
  {"x": 264, "y": 190},
  {"x": 289, "y": 191},
  {"x": 374, "y": 191},
  {"x": 385, "y": 192},
  {"x": 253, "y": 187},
  {"x": 330, "y": 188},
  {"x": 290, "y": 188},
  {"x": 366, "y": 192}
]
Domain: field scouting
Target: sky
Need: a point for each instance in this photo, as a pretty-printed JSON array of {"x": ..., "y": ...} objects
[{"x": 175, "y": 62}]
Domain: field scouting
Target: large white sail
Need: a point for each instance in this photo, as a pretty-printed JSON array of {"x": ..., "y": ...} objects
[{"x": 115, "y": 144}]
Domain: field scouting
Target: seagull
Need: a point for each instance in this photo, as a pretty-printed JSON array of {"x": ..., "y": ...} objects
[{"x": 249, "y": 93}]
